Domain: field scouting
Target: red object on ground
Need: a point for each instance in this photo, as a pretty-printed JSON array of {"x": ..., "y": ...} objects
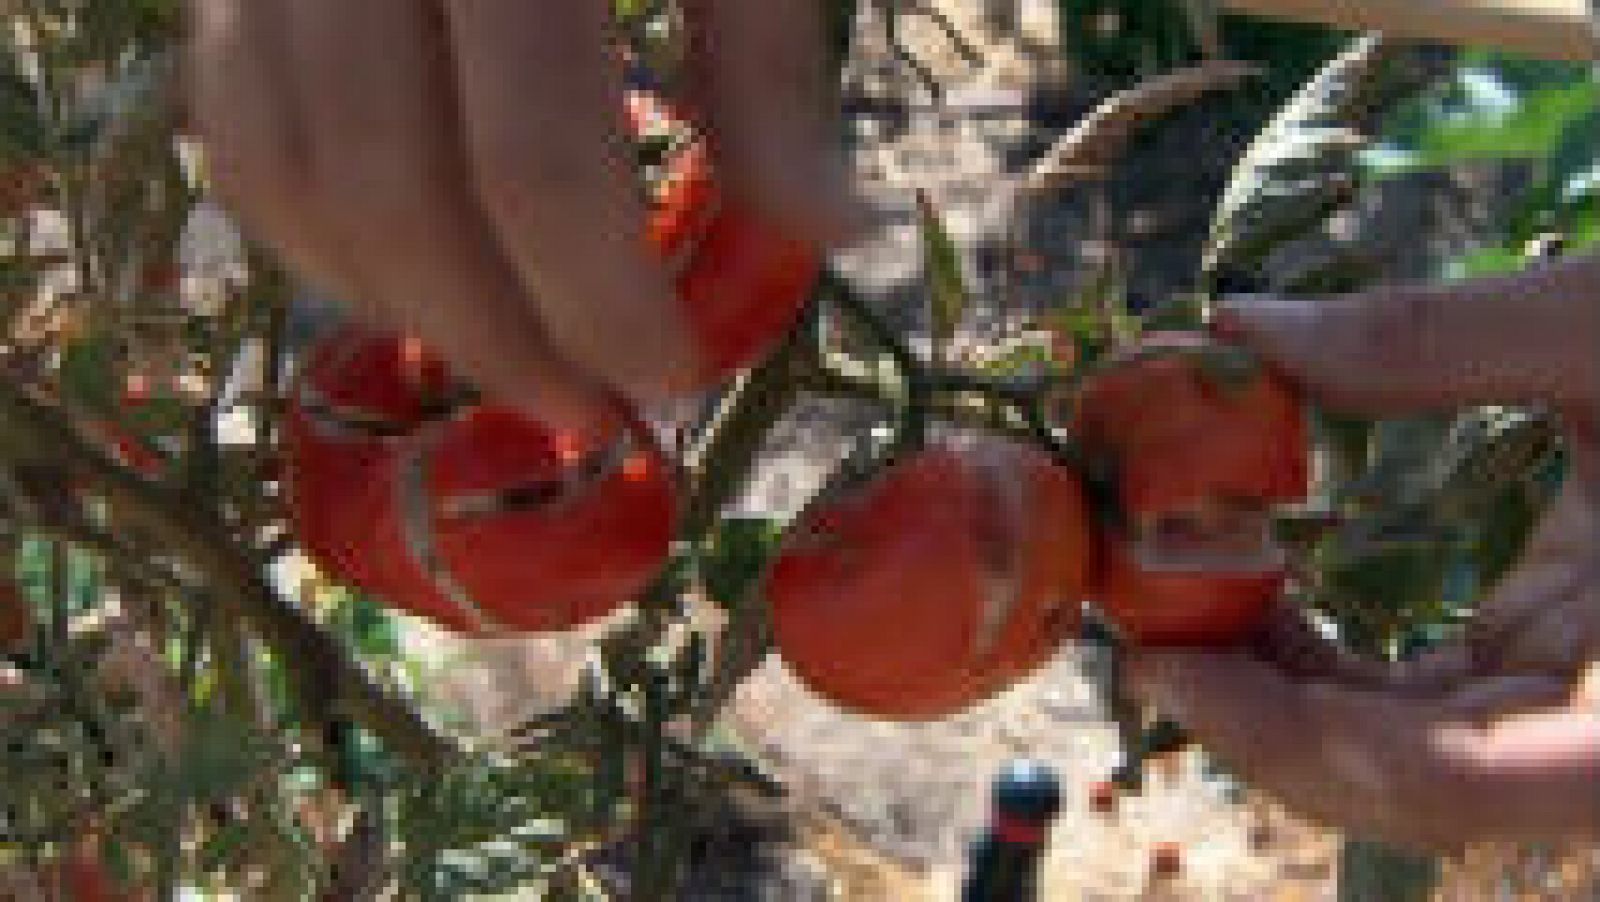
[
  {"x": 1103, "y": 797},
  {"x": 1166, "y": 860}
]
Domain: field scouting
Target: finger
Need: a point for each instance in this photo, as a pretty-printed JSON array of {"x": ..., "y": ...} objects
[
  {"x": 1523, "y": 338},
  {"x": 255, "y": 147},
  {"x": 542, "y": 101},
  {"x": 1289, "y": 640},
  {"x": 1384, "y": 766},
  {"x": 1485, "y": 700},
  {"x": 1544, "y": 616},
  {"x": 761, "y": 76},
  {"x": 1545, "y": 767},
  {"x": 372, "y": 78}
]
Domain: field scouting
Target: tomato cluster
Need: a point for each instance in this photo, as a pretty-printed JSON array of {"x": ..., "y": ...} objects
[
  {"x": 937, "y": 582},
  {"x": 480, "y": 518}
]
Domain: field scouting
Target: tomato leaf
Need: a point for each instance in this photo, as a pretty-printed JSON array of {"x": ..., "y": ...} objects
[
  {"x": 946, "y": 283},
  {"x": 89, "y": 373}
]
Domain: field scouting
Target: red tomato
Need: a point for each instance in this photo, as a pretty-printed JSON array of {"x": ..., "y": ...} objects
[
  {"x": 1179, "y": 438},
  {"x": 1198, "y": 465},
  {"x": 1185, "y": 609},
  {"x": 358, "y": 394},
  {"x": 491, "y": 521},
  {"x": 939, "y": 582},
  {"x": 742, "y": 281},
  {"x": 129, "y": 451}
]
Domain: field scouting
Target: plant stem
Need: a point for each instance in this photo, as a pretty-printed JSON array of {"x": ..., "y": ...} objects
[{"x": 241, "y": 590}]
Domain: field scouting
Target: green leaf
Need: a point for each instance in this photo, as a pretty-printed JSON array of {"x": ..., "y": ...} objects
[
  {"x": 90, "y": 372},
  {"x": 1306, "y": 163},
  {"x": 947, "y": 285},
  {"x": 739, "y": 548},
  {"x": 1552, "y": 117},
  {"x": 22, "y": 125},
  {"x": 630, "y": 9}
]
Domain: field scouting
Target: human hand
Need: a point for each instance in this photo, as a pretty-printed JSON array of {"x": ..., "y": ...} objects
[
  {"x": 1498, "y": 736},
  {"x": 458, "y": 170}
]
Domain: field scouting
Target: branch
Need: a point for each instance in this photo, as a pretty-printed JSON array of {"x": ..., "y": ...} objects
[{"x": 202, "y": 539}]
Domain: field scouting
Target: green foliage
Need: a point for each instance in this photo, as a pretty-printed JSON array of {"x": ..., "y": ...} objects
[
  {"x": 736, "y": 555},
  {"x": 1305, "y": 165},
  {"x": 484, "y": 825},
  {"x": 947, "y": 286},
  {"x": 1117, "y": 42}
]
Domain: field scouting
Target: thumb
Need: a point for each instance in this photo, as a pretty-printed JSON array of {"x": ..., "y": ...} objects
[
  {"x": 1489, "y": 699},
  {"x": 1529, "y": 337}
]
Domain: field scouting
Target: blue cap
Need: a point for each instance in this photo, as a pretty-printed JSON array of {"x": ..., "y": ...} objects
[{"x": 1027, "y": 790}]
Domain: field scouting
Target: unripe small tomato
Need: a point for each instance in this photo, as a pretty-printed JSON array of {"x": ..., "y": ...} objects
[
  {"x": 1200, "y": 456},
  {"x": 740, "y": 278},
  {"x": 491, "y": 521},
  {"x": 358, "y": 394},
  {"x": 938, "y": 582}
]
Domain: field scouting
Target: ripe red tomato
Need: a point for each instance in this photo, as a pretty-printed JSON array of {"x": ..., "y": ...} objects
[
  {"x": 1184, "y": 609},
  {"x": 492, "y": 521},
  {"x": 1198, "y": 465},
  {"x": 358, "y": 394},
  {"x": 477, "y": 518},
  {"x": 937, "y": 583},
  {"x": 742, "y": 281}
]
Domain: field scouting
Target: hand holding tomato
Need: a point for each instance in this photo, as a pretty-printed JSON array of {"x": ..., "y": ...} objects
[
  {"x": 459, "y": 171},
  {"x": 1499, "y": 736}
]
